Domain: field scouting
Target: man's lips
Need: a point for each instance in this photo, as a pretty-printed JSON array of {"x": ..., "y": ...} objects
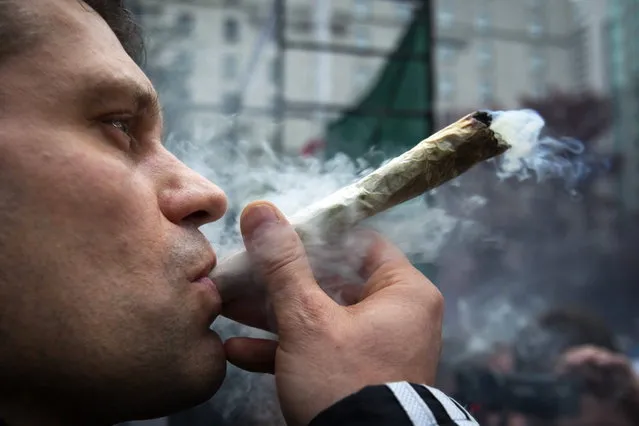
[
  {"x": 205, "y": 271},
  {"x": 212, "y": 296},
  {"x": 202, "y": 280},
  {"x": 206, "y": 281}
]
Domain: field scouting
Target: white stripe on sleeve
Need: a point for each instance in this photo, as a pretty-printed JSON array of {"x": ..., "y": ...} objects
[
  {"x": 453, "y": 410},
  {"x": 414, "y": 406}
]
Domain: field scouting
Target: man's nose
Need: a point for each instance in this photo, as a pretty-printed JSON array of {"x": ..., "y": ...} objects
[{"x": 190, "y": 199}]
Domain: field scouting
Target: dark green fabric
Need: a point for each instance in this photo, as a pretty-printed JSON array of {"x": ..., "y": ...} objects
[{"x": 401, "y": 85}]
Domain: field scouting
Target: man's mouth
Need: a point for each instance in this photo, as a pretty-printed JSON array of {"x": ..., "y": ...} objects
[
  {"x": 205, "y": 270},
  {"x": 205, "y": 283}
]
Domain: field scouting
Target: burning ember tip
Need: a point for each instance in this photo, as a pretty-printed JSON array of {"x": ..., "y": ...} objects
[{"x": 484, "y": 117}]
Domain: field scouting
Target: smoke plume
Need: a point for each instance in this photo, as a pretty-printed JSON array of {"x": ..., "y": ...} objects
[{"x": 424, "y": 229}]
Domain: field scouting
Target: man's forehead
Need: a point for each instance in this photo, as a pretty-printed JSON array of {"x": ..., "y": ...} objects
[
  {"x": 74, "y": 25},
  {"x": 86, "y": 48},
  {"x": 79, "y": 56},
  {"x": 54, "y": 12}
]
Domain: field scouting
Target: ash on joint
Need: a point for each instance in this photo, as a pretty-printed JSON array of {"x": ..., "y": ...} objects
[{"x": 484, "y": 117}]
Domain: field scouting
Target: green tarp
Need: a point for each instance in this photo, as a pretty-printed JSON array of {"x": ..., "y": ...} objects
[
  {"x": 394, "y": 114},
  {"x": 374, "y": 128}
]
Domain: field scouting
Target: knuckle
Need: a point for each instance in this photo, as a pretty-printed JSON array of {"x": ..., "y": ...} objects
[
  {"x": 431, "y": 300},
  {"x": 282, "y": 257},
  {"x": 392, "y": 273},
  {"x": 308, "y": 314},
  {"x": 429, "y": 291},
  {"x": 436, "y": 304},
  {"x": 436, "y": 297}
]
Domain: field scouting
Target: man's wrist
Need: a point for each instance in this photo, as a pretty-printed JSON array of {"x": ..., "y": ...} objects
[
  {"x": 395, "y": 404},
  {"x": 367, "y": 404}
]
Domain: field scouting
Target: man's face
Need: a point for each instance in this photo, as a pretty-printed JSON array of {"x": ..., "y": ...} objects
[{"x": 99, "y": 247}]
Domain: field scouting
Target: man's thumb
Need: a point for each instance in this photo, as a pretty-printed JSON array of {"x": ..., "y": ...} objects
[{"x": 278, "y": 256}]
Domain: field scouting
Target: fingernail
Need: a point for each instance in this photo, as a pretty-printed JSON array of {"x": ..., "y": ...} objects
[{"x": 257, "y": 216}]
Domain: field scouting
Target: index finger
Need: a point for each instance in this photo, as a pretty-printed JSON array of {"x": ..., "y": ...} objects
[
  {"x": 380, "y": 251},
  {"x": 385, "y": 265}
]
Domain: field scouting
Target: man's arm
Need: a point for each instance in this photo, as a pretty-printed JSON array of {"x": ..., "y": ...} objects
[{"x": 396, "y": 404}]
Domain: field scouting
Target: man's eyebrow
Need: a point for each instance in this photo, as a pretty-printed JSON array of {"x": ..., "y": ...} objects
[{"x": 141, "y": 96}]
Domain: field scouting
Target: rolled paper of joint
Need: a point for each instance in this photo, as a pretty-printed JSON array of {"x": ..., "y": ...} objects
[{"x": 432, "y": 162}]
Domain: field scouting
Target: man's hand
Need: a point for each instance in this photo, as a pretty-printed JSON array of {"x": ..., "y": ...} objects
[
  {"x": 611, "y": 384},
  {"x": 327, "y": 351},
  {"x": 606, "y": 374}
]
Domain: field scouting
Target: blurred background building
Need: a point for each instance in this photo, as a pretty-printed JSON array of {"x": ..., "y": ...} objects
[
  {"x": 494, "y": 52},
  {"x": 250, "y": 56},
  {"x": 485, "y": 52},
  {"x": 622, "y": 51}
]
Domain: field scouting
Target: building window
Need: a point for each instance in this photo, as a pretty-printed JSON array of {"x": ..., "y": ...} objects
[
  {"x": 404, "y": 11},
  {"x": 534, "y": 5},
  {"x": 183, "y": 62},
  {"x": 446, "y": 87},
  {"x": 486, "y": 91},
  {"x": 362, "y": 8},
  {"x": 537, "y": 62},
  {"x": 535, "y": 19},
  {"x": 361, "y": 78},
  {"x": 485, "y": 54},
  {"x": 229, "y": 66},
  {"x": 301, "y": 19},
  {"x": 231, "y": 30},
  {"x": 362, "y": 36},
  {"x": 230, "y": 103},
  {"x": 445, "y": 15},
  {"x": 482, "y": 19},
  {"x": 185, "y": 23},
  {"x": 445, "y": 54},
  {"x": 535, "y": 29},
  {"x": 482, "y": 22},
  {"x": 539, "y": 87}
]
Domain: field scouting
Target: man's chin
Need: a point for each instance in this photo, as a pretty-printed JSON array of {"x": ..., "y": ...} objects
[
  {"x": 203, "y": 374},
  {"x": 209, "y": 366},
  {"x": 186, "y": 393}
]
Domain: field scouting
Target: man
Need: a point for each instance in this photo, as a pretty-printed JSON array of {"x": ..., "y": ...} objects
[
  {"x": 106, "y": 306},
  {"x": 579, "y": 344}
]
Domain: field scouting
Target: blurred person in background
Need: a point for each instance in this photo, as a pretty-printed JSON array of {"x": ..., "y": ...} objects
[
  {"x": 105, "y": 302},
  {"x": 578, "y": 344},
  {"x": 563, "y": 369}
]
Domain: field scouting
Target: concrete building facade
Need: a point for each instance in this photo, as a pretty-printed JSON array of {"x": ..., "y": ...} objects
[
  {"x": 489, "y": 53},
  {"x": 231, "y": 50},
  {"x": 493, "y": 52},
  {"x": 623, "y": 71}
]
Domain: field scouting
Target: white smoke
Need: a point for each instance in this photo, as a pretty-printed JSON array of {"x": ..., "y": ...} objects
[
  {"x": 534, "y": 154},
  {"x": 249, "y": 171}
]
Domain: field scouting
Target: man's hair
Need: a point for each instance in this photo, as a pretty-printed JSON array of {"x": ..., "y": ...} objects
[
  {"x": 19, "y": 31},
  {"x": 539, "y": 346}
]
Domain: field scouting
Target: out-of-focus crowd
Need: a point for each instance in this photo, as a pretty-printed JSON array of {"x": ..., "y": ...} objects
[{"x": 565, "y": 369}]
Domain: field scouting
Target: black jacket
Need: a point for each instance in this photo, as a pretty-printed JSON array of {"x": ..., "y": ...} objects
[{"x": 396, "y": 404}]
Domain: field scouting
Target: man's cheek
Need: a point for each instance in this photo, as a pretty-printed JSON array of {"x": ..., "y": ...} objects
[{"x": 108, "y": 190}]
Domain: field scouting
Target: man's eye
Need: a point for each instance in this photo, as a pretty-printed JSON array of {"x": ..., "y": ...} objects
[
  {"x": 121, "y": 130},
  {"x": 122, "y": 125}
]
